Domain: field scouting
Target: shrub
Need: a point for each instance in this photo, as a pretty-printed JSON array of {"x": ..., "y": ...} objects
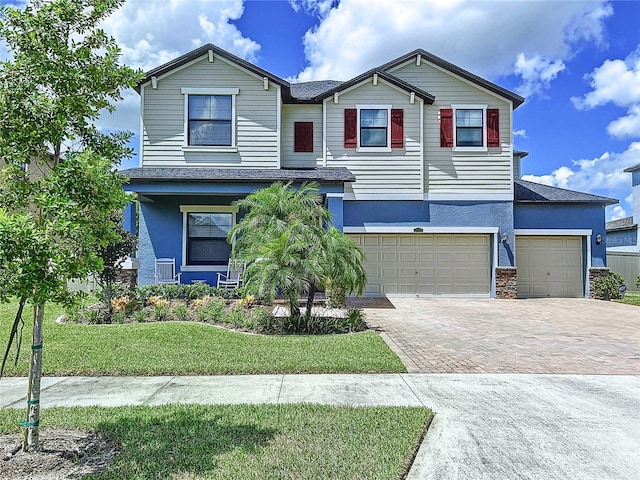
[
  {"x": 638, "y": 282},
  {"x": 356, "y": 320},
  {"x": 140, "y": 315},
  {"x": 212, "y": 309},
  {"x": 181, "y": 312},
  {"x": 262, "y": 318},
  {"x": 237, "y": 315},
  {"x": 186, "y": 292},
  {"x": 608, "y": 288},
  {"x": 161, "y": 310},
  {"x": 353, "y": 322}
]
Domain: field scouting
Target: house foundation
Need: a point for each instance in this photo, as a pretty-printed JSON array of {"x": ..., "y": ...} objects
[{"x": 506, "y": 282}]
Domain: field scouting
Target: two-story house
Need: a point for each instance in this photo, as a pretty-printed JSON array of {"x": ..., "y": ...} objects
[{"x": 414, "y": 158}]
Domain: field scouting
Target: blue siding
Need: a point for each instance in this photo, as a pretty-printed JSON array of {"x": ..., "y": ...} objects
[
  {"x": 407, "y": 213},
  {"x": 566, "y": 216},
  {"x": 622, "y": 238}
]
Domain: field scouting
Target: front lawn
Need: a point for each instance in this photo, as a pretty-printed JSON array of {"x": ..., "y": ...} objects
[
  {"x": 245, "y": 441},
  {"x": 630, "y": 298},
  {"x": 185, "y": 348}
]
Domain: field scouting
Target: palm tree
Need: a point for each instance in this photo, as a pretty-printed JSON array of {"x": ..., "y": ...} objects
[
  {"x": 342, "y": 267},
  {"x": 284, "y": 240},
  {"x": 278, "y": 239}
]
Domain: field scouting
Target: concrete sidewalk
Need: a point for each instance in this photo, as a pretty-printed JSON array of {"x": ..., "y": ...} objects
[{"x": 486, "y": 426}]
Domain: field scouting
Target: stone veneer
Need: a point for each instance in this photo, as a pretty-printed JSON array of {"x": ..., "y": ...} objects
[
  {"x": 128, "y": 278},
  {"x": 596, "y": 272},
  {"x": 506, "y": 282}
]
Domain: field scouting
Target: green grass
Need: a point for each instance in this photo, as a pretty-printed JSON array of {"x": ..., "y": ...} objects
[
  {"x": 175, "y": 348},
  {"x": 630, "y": 298},
  {"x": 248, "y": 441}
]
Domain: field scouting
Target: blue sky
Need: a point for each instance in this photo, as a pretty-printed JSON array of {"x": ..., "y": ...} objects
[{"x": 576, "y": 62}]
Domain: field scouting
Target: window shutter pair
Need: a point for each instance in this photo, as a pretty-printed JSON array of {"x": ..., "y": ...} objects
[
  {"x": 351, "y": 128},
  {"x": 303, "y": 137},
  {"x": 446, "y": 127}
]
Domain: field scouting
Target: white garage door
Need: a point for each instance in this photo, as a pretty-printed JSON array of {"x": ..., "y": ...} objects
[
  {"x": 549, "y": 266},
  {"x": 424, "y": 264}
]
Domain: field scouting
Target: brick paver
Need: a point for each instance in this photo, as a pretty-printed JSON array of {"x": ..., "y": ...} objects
[{"x": 562, "y": 336}]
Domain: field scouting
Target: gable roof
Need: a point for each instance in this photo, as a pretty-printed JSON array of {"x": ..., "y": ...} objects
[
  {"x": 461, "y": 72},
  {"x": 530, "y": 192},
  {"x": 633, "y": 168},
  {"x": 203, "y": 50},
  {"x": 392, "y": 79},
  {"x": 315, "y": 92},
  {"x": 625, "y": 223}
]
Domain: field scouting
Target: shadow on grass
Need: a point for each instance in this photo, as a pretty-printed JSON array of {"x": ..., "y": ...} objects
[{"x": 184, "y": 440}]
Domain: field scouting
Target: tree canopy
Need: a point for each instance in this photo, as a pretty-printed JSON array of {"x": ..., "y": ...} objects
[{"x": 59, "y": 187}]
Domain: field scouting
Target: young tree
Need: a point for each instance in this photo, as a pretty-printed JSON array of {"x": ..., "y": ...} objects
[
  {"x": 286, "y": 240},
  {"x": 55, "y": 215}
]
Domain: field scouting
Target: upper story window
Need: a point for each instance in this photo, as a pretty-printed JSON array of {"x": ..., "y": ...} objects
[
  {"x": 472, "y": 128},
  {"x": 210, "y": 118},
  {"x": 469, "y": 128},
  {"x": 373, "y": 128}
]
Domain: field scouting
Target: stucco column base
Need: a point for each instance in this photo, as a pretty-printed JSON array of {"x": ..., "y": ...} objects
[
  {"x": 596, "y": 272},
  {"x": 506, "y": 282}
]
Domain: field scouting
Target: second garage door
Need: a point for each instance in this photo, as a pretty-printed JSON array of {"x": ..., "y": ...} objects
[
  {"x": 549, "y": 266},
  {"x": 424, "y": 264}
]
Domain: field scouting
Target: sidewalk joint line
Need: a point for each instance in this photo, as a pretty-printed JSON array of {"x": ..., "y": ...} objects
[
  {"x": 280, "y": 389},
  {"x": 402, "y": 375},
  {"x": 145, "y": 401}
]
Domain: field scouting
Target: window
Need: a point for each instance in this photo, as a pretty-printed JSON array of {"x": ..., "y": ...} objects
[
  {"x": 469, "y": 128},
  {"x": 209, "y": 118},
  {"x": 205, "y": 230},
  {"x": 373, "y": 128},
  {"x": 303, "y": 137}
]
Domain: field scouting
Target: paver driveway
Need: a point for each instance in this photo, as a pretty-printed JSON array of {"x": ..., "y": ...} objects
[{"x": 566, "y": 336}]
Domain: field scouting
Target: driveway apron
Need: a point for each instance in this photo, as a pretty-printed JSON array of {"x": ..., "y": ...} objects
[{"x": 552, "y": 336}]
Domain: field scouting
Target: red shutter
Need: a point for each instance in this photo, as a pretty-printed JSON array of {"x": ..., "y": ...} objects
[
  {"x": 446, "y": 127},
  {"x": 397, "y": 128},
  {"x": 303, "y": 137},
  {"x": 493, "y": 127},
  {"x": 350, "y": 127}
]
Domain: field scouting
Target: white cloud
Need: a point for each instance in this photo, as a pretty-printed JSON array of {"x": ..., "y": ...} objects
[
  {"x": 520, "y": 133},
  {"x": 153, "y": 32},
  {"x": 616, "y": 212},
  {"x": 603, "y": 174},
  {"x": 358, "y": 34},
  {"x": 615, "y": 81},
  {"x": 536, "y": 73},
  {"x": 627, "y": 126},
  {"x": 313, "y": 7}
]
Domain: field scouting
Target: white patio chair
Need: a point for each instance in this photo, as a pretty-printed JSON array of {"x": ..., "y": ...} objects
[
  {"x": 166, "y": 272},
  {"x": 233, "y": 277}
]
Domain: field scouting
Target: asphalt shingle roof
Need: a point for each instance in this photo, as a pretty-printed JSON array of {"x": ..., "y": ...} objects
[
  {"x": 530, "y": 192},
  {"x": 239, "y": 175},
  {"x": 311, "y": 90},
  {"x": 621, "y": 224}
]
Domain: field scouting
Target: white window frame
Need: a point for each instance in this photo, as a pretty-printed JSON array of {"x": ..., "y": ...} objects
[
  {"x": 233, "y": 92},
  {"x": 374, "y": 149},
  {"x": 186, "y": 209},
  {"x": 484, "y": 147}
]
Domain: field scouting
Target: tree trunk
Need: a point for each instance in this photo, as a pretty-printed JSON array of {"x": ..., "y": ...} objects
[
  {"x": 310, "y": 297},
  {"x": 31, "y": 434}
]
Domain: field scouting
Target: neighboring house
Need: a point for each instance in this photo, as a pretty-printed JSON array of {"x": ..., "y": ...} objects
[
  {"x": 414, "y": 159},
  {"x": 623, "y": 237}
]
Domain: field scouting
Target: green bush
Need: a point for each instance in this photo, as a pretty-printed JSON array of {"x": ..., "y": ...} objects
[
  {"x": 181, "y": 312},
  {"x": 184, "y": 292},
  {"x": 608, "y": 288},
  {"x": 638, "y": 282},
  {"x": 262, "y": 318},
  {"x": 353, "y": 322}
]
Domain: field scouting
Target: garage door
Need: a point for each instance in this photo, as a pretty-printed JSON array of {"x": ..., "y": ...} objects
[
  {"x": 422, "y": 264},
  {"x": 549, "y": 266}
]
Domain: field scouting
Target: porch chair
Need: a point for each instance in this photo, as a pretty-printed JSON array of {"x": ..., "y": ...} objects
[
  {"x": 166, "y": 272},
  {"x": 233, "y": 277}
]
